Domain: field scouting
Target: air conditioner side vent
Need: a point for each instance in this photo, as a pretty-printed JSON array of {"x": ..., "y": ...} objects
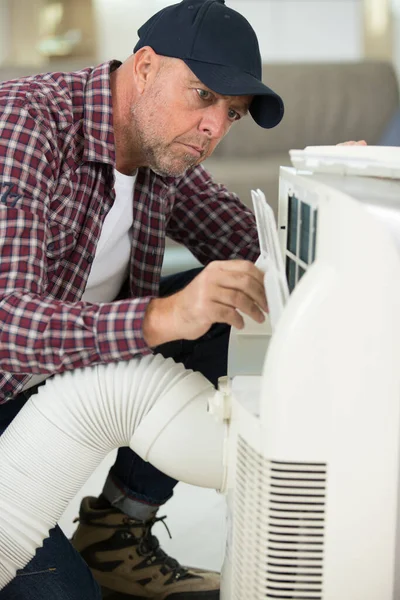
[{"x": 278, "y": 528}]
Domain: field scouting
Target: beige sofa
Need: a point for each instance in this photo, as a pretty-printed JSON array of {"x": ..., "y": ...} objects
[{"x": 324, "y": 104}]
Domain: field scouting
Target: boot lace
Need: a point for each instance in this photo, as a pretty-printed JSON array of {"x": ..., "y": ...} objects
[{"x": 149, "y": 546}]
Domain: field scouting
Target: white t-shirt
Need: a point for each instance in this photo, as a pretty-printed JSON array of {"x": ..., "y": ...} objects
[{"x": 111, "y": 260}]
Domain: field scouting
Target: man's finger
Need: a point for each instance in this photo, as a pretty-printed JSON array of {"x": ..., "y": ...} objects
[
  {"x": 241, "y": 283},
  {"x": 240, "y": 301}
]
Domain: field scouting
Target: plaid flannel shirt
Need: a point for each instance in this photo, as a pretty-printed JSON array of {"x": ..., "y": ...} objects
[{"x": 57, "y": 161}]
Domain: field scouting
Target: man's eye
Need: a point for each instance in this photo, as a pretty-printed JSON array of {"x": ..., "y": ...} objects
[
  {"x": 204, "y": 94},
  {"x": 233, "y": 115}
]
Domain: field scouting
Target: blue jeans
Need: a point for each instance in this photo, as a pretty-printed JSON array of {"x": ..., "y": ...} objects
[{"x": 57, "y": 571}]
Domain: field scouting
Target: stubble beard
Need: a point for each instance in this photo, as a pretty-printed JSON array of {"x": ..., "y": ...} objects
[{"x": 158, "y": 155}]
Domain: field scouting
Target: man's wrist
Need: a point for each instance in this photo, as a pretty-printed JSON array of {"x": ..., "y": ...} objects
[{"x": 158, "y": 322}]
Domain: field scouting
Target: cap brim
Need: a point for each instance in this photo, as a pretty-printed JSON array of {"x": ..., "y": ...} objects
[{"x": 267, "y": 107}]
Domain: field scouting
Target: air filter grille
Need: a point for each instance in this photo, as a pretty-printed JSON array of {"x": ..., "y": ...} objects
[{"x": 278, "y": 528}]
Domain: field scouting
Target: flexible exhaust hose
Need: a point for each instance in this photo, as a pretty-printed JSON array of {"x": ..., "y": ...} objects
[{"x": 62, "y": 434}]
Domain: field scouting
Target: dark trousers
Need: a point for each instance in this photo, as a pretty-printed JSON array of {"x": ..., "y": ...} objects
[{"x": 57, "y": 570}]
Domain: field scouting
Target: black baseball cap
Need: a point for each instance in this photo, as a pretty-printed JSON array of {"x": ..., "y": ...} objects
[{"x": 221, "y": 48}]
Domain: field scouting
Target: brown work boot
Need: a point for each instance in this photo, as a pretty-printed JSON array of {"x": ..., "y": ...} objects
[{"x": 127, "y": 561}]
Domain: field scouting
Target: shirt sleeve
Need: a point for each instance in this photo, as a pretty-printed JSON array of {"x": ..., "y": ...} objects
[
  {"x": 211, "y": 221},
  {"x": 39, "y": 333}
]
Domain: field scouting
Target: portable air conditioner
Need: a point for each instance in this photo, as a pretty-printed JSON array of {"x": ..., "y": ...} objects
[{"x": 311, "y": 400}]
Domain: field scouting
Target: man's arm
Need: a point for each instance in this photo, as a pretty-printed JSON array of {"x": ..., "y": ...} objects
[
  {"x": 39, "y": 333},
  {"x": 215, "y": 296},
  {"x": 211, "y": 221},
  {"x": 221, "y": 232}
]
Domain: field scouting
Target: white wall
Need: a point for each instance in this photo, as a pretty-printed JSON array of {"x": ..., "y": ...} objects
[
  {"x": 396, "y": 57},
  {"x": 288, "y": 30},
  {"x": 396, "y": 35},
  {"x": 117, "y": 24},
  {"x": 305, "y": 30}
]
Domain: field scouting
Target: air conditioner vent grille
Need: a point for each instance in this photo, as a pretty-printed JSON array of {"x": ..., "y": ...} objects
[{"x": 278, "y": 528}]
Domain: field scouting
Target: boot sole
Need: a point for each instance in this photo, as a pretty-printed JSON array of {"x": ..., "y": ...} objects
[{"x": 212, "y": 595}]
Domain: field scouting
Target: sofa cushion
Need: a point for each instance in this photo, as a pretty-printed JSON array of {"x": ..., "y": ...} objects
[
  {"x": 241, "y": 175},
  {"x": 325, "y": 103},
  {"x": 391, "y": 135}
]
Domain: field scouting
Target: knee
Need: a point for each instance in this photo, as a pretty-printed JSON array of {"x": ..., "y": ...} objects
[{"x": 56, "y": 571}]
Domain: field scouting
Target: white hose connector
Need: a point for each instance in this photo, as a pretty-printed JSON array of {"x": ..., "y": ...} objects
[{"x": 61, "y": 435}]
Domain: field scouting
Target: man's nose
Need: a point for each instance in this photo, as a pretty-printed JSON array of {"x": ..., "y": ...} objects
[{"x": 214, "y": 122}]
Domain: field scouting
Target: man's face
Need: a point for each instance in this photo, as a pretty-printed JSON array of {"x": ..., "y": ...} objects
[{"x": 178, "y": 121}]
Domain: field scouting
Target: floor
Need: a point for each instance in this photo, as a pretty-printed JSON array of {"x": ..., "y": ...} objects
[{"x": 196, "y": 519}]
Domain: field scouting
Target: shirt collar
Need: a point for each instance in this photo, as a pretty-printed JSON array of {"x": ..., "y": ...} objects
[{"x": 99, "y": 144}]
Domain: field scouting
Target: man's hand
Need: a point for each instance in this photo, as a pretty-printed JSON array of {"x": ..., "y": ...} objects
[
  {"x": 215, "y": 296},
  {"x": 359, "y": 143}
]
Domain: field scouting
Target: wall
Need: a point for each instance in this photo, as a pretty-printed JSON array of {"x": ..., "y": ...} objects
[
  {"x": 288, "y": 30},
  {"x": 305, "y": 30},
  {"x": 4, "y": 18},
  {"x": 23, "y": 32},
  {"x": 396, "y": 35}
]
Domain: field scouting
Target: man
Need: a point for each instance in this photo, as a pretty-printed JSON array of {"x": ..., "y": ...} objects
[{"x": 96, "y": 168}]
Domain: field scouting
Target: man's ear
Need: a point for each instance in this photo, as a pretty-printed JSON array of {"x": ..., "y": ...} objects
[{"x": 146, "y": 64}]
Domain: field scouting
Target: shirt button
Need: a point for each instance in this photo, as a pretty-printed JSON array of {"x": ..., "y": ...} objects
[
  {"x": 103, "y": 209},
  {"x": 89, "y": 258},
  {"x": 8, "y": 396},
  {"x": 50, "y": 247}
]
